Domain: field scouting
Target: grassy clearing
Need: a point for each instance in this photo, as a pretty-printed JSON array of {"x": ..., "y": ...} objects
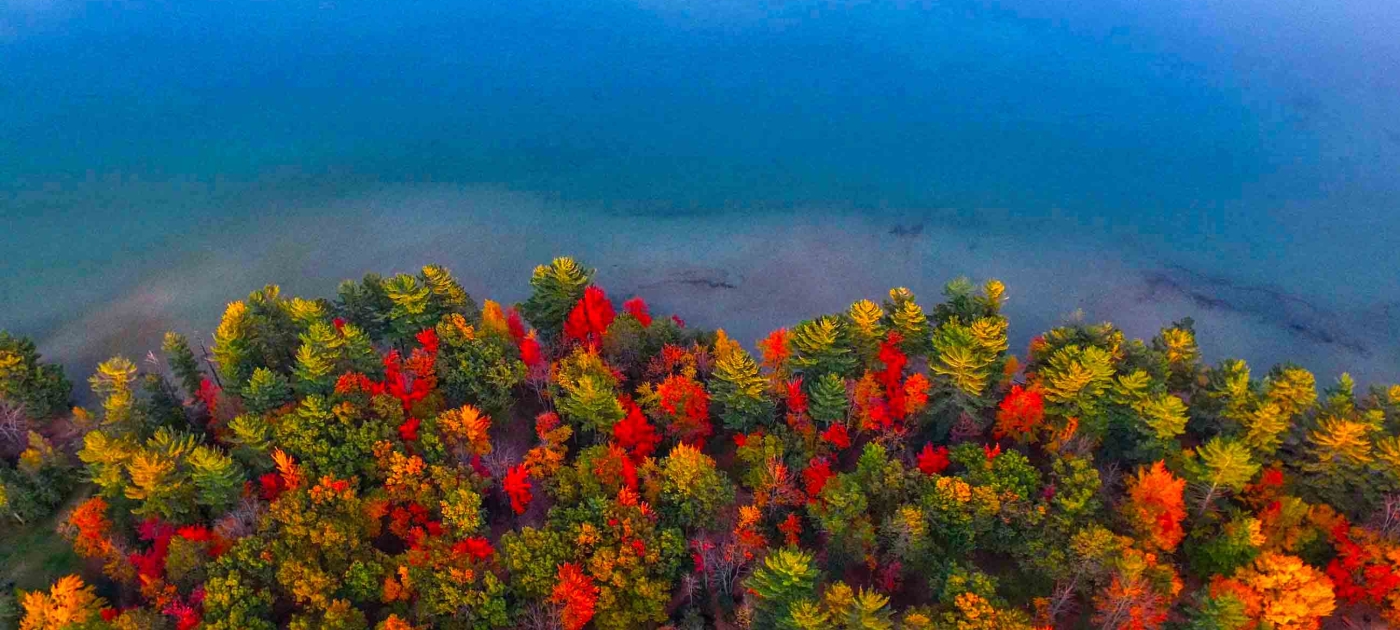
[{"x": 33, "y": 556}]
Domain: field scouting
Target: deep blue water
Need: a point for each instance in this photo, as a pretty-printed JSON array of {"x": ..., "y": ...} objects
[{"x": 1244, "y": 139}]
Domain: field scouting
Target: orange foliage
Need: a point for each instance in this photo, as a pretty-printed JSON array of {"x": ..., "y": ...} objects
[
  {"x": 1155, "y": 506},
  {"x": 576, "y": 592}
]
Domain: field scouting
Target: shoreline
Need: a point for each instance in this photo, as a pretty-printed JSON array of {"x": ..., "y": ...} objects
[{"x": 761, "y": 271}]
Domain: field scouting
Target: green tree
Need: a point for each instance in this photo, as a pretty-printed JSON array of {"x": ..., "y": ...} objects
[
  {"x": 786, "y": 578},
  {"x": 556, "y": 288}
]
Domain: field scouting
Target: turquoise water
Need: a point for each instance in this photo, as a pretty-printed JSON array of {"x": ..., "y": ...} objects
[{"x": 1234, "y": 161}]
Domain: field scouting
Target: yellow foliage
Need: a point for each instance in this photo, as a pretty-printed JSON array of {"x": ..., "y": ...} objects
[
  {"x": 493, "y": 318},
  {"x": 990, "y": 333},
  {"x": 1294, "y": 596},
  {"x": 1164, "y": 413},
  {"x": 1073, "y": 373},
  {"x": 866, "y": 316},
  {"x": 1294, "y": 390},
  {"x": 1338, "y": 440},
  {"x": 1180, "y": 345}
]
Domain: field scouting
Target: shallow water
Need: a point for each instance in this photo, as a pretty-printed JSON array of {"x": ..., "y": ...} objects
[{"x": 742, "y": 163}]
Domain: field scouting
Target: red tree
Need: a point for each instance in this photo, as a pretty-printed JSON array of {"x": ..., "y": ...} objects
[
  {"x": 517, "y": 487},
  {"x": 576, "y": 592},
  {"x": 590, "y": 317}
]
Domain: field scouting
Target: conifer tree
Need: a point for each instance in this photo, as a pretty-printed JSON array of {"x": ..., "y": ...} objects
[
  {"x": 829, "y": 402},
  {"x": 1221, "y": 464},
  {"x": 177, "y": 350},
  {"x": 822, "y": 347},
  {"x": 786, "y": 577},
  {"x": 738, "y": 388},
  {"x": 41, "y": 388},
  {"x": 217, "y": 478},
  {"x": 557, "y": 287}
]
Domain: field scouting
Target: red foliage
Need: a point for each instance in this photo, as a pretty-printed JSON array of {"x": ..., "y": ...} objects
[
  {"x": 774, "y": 349},
  {"x": 836, "y": 435},
  {"x": 891, "y": 377},
  {"x": 151, "y": 563},
  {"x": 577, "y": 594},
  {"x": 991, "y": 451},
  {"x": 814, "y": 478},
  {"x": 679, "y": 322},
  {"x": 530, "y": 352},
  {"x": 339, "y": 324},
  {"x": 91, "y": 522},
  {"x": 272, "y": 486},
  {"x": 791, "y": 527},
  {"x": 590, "y": 317},
  {"x": 637, "y": 308},
  {"x": 688, "y": 405},
  {"x": 355, "y": 382},
  {"x": 933, "y": 460},
  {"x": 796, "y": 398},
  {"x": 428, "y": 339},
  {"x": 409, "y": 429},
  {"x": 517, "y": 487},
  {"x": 209, "y": 395},
  {"x": 546, "y": 422},
  {"x": 515, "y": 325},
  {"x": 1020, "y": 413},
  {"x": 476, "y": 547},
  {"x": 634, "y": 433},
  {"x": 1360, "y": 573}
]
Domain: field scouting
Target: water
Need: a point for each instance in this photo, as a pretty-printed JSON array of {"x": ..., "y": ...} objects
[{"x": 1232, "y": 161}]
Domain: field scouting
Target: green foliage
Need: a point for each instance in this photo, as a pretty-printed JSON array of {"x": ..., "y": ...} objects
[
  {"x": 823, "y": 346},
  {"x": 786, "y": 578},
  {"x": 740, "y": 391},
  {"x": 218, "y": 479},
  {"x": 966, "y": 355},
  {"x": 41, "y": 387},
  {"x": 829, "y": 402},
  {"x": 692, "y": 490},
  {"x": 266, "y": 390},
  {"x": 182, "y": 362},
  {"x": 482, "y": 372},
  {"x": 334, "y": 440},
  {"x": 258, "y": 332},
  {"x": 326, "y": 353},
  {"x": 556, "y": 288},
  {"x": 1220, "y": 464}
]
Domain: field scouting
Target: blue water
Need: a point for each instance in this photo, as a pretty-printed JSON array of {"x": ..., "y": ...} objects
[{"x": 1255, "y": 143}]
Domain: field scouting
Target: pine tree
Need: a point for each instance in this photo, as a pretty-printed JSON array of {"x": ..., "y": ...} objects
[
  {"x": 177, "y": 350},
  {"x": 158, "y": 484},
  {"x": 106, "y": 459},
  {"x": 829, "y": 402},
  {"x": 448, "y": 296},
  {"x": 822, "y": 347},
  {"x": 1221, "y": 464},
  {"x": 557, "y": 287},
  {"x": 113, "y": 383},
  {"x": 906, "y": 317},
  {"x": 962, "y": 357},
  {"x": 1163, "y": 414},
  {"x": 266, "y": 390},
  {"x": 217, "y": 478},
  {"x": 410, "y": 311},
  {"x": 41, "y": 388},
  {"x": 738, "y": 388},
  {"x": 786, "y": 577},
  {"x": 1076, "y": 376}
]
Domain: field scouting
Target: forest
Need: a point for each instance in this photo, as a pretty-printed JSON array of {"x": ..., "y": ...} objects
[{"x": 403, "y": 456}]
